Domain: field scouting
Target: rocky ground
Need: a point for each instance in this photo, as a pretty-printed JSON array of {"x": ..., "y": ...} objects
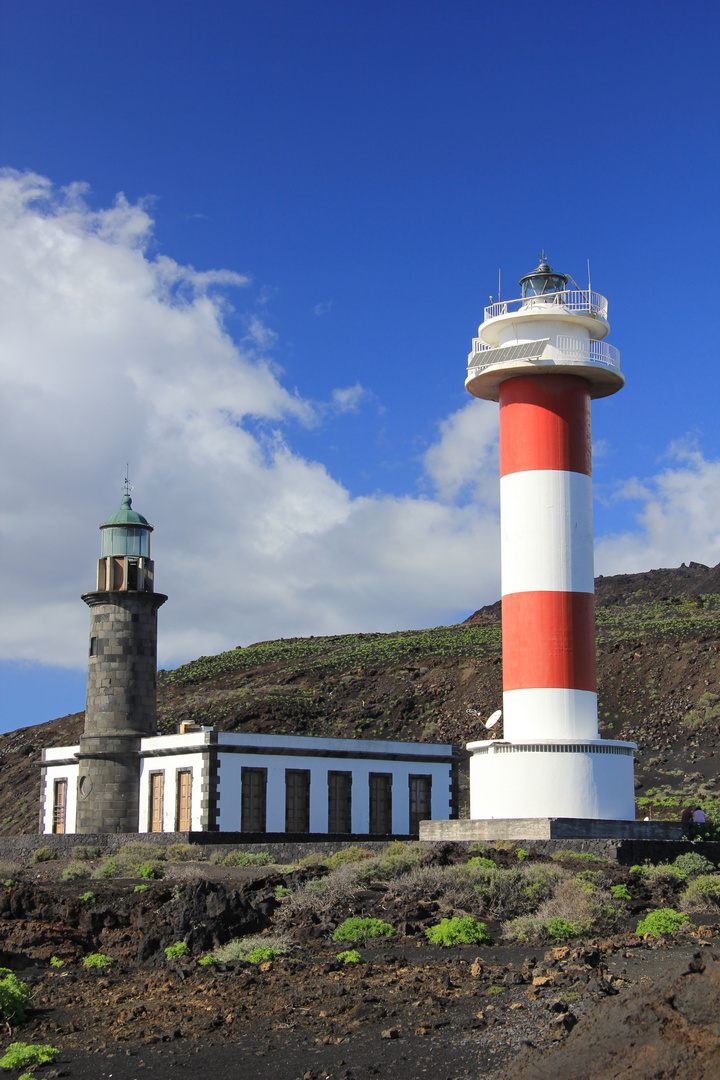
[
  {"x": 608, "y": 1004},
  {"x": 658, "y": 647}
]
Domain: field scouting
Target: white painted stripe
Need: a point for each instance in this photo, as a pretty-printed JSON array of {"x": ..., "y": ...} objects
[
  {"x": 552, "y": 785},
  {"x": 546, "y": 525},
  {"x": 554, "y": 713}
]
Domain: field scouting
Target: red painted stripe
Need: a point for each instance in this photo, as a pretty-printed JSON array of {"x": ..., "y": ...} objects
[
  {"x": 545, "y": 424},
  {"x": 549, "y": 640}
]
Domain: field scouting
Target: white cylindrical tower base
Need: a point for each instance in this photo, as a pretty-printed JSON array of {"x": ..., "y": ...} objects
[{"x": 591, "y": 779}]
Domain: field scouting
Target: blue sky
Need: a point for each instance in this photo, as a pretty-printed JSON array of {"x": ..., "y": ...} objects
[{"x": 297, "y": 427}]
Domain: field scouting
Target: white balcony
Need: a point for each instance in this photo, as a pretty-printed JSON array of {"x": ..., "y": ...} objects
[
  {"x": 596, "y": 361},
  {"x": 567, "y": 350},
  {"x": 575, "y": 301}
]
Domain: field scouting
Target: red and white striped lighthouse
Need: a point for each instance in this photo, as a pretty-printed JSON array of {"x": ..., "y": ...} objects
[{"x": 543, "y": 358}]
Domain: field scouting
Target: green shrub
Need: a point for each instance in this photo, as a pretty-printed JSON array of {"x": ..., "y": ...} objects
[
  {"x": 88, "y": 897},
  {"x": 261, "y": 953},
  {"x": 14, "y": 996},
  {"x": 692, "y": 862},
  {"x": 561, "y": 930},
  {"x": 247, "y": 858},
  {"x": 620, "y": 892},
  {"x": 564, "y": 853},
  {"x": 312, "y": 860},
  {"x": 662, "y": 921},
  {"x": 351, "y": 854},
  {"x": 75, "y": 872},
  {"x": 81, "y": 852},
  {"x": 174, "y": 952},
  {"x": 576, "y": 906},
  {"x": 183, "y": 853},
  {"x": 21, "y": 1055},
  {"x": 459, "y": 931},
  {"x": 140, "y": 851},
  {"x": 399, "y": 857},
  {"x": 206, "y": 961},
  {"x": 480, "y": 862},
  {"x": 251, "y": 946},
  {"x": 137, "y": 859},
  {"x": 98, "y": 960},
  {"x": 43, "y": 854},
  {"x": 8, "y": 882},
  {"x": 522, "y": 854},
  {"x": 141, "y": 888},
  {"x": 360, "y": 931},
  {"x": 108, "y": 868},
  {"x": 350, "y": 956},
  {"x": 56, "y": 962},
  {"x": 281, "y": 891},
  {"x": 702, "y": 893},
  {"x": 663, "y": 875}
]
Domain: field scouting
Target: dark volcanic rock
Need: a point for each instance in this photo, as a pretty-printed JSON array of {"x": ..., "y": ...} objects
[{"x": 669, "y": 1030}]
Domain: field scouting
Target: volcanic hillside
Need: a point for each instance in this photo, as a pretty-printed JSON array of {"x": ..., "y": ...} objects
[{"x": 658, "y": 636}]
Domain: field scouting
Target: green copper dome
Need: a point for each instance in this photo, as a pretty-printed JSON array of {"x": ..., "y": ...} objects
[
  {"x": 126, "y": 515},
  {"x": 126, "y": 533}
]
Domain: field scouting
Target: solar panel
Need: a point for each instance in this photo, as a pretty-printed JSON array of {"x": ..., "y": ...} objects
[{"x": 528, "y": 350}]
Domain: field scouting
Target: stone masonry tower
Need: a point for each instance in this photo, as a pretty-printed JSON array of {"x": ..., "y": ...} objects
[{"x": 121, "y": 704}]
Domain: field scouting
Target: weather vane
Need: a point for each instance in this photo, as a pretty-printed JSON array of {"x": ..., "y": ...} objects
[{"x": 126, "y": 482}]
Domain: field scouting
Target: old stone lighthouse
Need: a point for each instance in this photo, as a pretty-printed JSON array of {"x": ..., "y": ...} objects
[
  {"x": 121, "y": 686},
  {"x": 123, "y": 777}
]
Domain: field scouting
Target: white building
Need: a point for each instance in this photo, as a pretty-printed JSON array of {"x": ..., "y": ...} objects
[{"x": 270, "y": 785}]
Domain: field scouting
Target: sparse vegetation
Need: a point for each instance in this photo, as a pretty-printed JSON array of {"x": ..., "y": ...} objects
[
  {"x": 702, "y": 894},
  {"x": 350, "y": 956},
  {"x": 253, "y": 949},
  {"x": 176, "y": 951},
  {"x": 459, "y": 931},
  {"x": 183, "y": 853},
  {"x": 247, "y": 858},
  {"x": 98, "y": 960},
  {"x": 360, "y": 931},
  {"x": 14, "y": 996},
  {"x": 663, "y": 921},
  {"x": 75, "y": 872},
  {"x": 22, "y": 1055},
  {"x": 43, "y": 854},
  {"x": 692, "y": 862}
]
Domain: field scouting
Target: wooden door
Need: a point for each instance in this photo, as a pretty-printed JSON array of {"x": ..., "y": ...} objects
[
  {"x": 157, "y": 799},
  {"x": 59, "y": 806},
  {"x": 381, "y": 803},
  {"x": 184, "y": 800},
  {"x": 253, "y": 800},
  {"x": 297, "y": 800},
  {"x": 339, "y": 802},
  {"x": 420, "y": 791}
]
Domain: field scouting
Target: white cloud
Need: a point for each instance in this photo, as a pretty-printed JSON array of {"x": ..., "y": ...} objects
[
  {"x": 323, "y": 307},
  {"x": 678, "y": 521},
  {"x": 348, "y": 398},
  {"x": 108, "y": 355},
  {"x": 464, "y": 462}
]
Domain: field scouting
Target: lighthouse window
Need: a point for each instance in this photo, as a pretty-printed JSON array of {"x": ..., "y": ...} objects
[
  {"x": 93, "y": 646},
  {"x": 126, "y": 540}
]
